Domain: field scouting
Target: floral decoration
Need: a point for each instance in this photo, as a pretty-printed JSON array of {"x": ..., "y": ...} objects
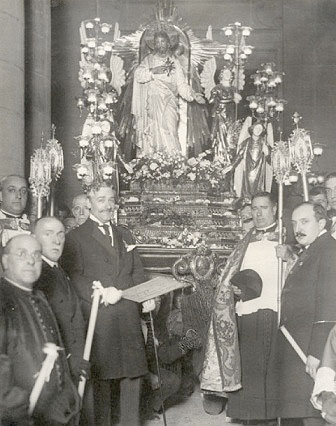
[{"x": 174, "y": 168}]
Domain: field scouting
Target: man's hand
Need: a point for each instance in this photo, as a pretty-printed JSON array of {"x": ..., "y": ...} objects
[
  {"x": 312, "y": 365},
  {"x": 111, "y": 296},
  {"x": 199, "y": 98},
  {"x": 84, "y": 369},
  {"x": 328, "y": 407},
  {"x": 148, "y": 306},
  {"x": 236, "y": 291},
  {"x": 284, "y": 252}
]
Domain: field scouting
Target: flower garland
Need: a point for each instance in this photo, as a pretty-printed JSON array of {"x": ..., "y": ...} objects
[{"x": 174, "y": 168}]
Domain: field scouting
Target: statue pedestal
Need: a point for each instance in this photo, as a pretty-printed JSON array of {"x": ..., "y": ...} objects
[{"x": 157, "y": 259}]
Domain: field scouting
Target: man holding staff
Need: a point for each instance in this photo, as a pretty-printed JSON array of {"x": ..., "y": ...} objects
[
  {"x": 100, "y": 251},
  {"x": 27, "y": 324},
  {"x": 307, "y": 312}
]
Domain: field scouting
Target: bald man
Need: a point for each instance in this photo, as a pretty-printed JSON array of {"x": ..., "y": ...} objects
[{"x": 26, "y": 325}]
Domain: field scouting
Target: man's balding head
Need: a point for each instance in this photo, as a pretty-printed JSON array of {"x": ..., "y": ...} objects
[
  {"x": 14, "y": 190},
  {"x": 22, "y": 260}
]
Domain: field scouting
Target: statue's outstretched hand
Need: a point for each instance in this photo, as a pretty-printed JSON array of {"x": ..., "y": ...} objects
[
  {"x": 161, "y": 69},
  {"x": 199, "y": 98}
]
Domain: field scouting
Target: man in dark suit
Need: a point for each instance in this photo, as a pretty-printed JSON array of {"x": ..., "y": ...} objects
[
  {"x": 99, "y": 250},
  {"x": 308, "y": 312},
  {"x": 57, "y": 288},
  {"x": 62, "y": 298}
]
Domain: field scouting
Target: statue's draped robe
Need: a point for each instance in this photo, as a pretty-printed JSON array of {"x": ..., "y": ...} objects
[{"x": 155, "y": 105}]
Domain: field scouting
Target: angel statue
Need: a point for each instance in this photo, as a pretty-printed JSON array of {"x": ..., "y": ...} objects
[
  {"x": 253, "y": 171},
  {"x": 223, "y": 96},
  {"x": 159, "y": 80}
]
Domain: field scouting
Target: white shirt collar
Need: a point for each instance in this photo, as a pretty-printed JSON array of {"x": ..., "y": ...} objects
[
  {"x": 266, "y": 227},
  {"x": 49, "y": 262},
  {"x": 98, "y": 221},
  {"x": 21, "y": 287},
  {"x": 16, "y": 216}
]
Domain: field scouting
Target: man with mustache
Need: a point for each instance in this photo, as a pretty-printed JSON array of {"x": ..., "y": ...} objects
[
  {"x": 308, "y": 312},
  {"x": 100, "y": 250}
]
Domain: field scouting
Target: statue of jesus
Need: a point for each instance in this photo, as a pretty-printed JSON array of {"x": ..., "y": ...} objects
[{"x": 158, "y": 82}]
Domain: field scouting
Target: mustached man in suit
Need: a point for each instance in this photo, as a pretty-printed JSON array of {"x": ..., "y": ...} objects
[{"x": 100, "y": 250}]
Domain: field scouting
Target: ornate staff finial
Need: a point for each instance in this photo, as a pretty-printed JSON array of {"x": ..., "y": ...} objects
[{"x": 281, "y": 161}]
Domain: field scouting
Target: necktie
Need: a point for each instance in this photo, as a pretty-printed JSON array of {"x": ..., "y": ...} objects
[{"x": 107, "y": 232}]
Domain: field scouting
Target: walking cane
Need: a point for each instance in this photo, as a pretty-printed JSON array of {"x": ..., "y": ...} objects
[
  {"x": 89, "y": 336},
  {"x": 281, "y": 170},
  {"x": 158, "y": 369}
]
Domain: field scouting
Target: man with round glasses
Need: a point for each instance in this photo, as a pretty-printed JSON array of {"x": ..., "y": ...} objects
[{"x": 27, "y": 323}]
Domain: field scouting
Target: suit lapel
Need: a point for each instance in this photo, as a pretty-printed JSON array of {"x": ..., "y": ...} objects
[
  {"x": 119, "y": 247},
  {"x": 115, "y": 251}
]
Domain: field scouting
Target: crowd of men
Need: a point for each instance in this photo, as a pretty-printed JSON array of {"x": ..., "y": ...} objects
[{"x": 49, "y": 267}]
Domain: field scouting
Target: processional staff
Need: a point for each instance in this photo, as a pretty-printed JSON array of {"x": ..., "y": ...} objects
[
  {"x": 281, "y": 168},
  {"x": 40, "y": 176},
  {"x": 57, "y": 165}
]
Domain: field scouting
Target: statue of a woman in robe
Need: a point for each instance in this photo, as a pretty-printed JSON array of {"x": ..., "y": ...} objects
[
  {"x": 223, "y": 97},
  {"x": 253, "y": 171}
]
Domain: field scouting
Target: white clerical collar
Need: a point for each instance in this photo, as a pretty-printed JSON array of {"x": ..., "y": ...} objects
[
  {"x": 50, "y": 262},
  {"x": 17, "y": 216},
  {"x": 267, "y": 227},
  {"x": 18, "y": 285},
  {"x": 98, "y": 221}
]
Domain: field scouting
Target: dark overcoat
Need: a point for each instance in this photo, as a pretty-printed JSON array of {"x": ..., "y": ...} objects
[
  {"x": 65, "y": 304},
  {"x": 118, "y": 346},
  {"x": 308, "y": 312}
]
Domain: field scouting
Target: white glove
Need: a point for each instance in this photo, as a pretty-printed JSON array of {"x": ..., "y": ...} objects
[
  {"x": 148, "y": 306},
  {"x": 111, "y": 296}
]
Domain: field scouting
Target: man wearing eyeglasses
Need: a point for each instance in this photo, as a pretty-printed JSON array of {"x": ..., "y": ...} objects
[
  {"x": 13, "y": 221},
  {"x": 27, "y": 323}
]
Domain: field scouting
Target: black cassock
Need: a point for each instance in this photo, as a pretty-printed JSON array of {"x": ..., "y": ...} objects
[{"x": 26, "y": 324}]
